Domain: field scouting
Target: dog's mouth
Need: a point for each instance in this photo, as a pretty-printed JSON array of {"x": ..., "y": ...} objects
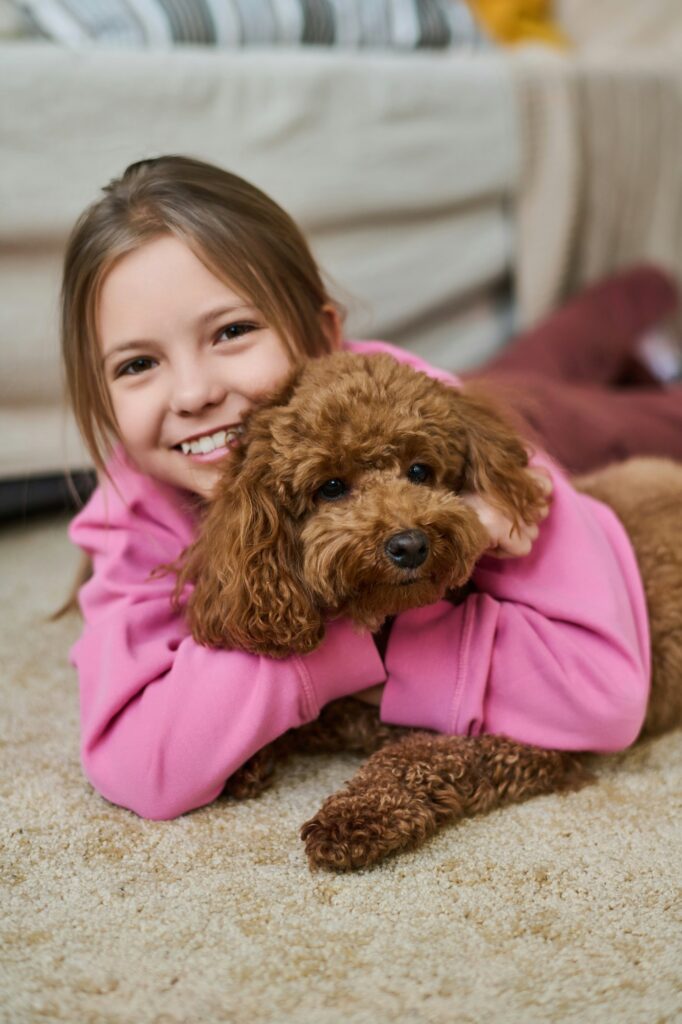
[
  {"x": 375, "y": 599},
  {"x": 393, "y": 585},
  {"x": 424, "y": 579}
]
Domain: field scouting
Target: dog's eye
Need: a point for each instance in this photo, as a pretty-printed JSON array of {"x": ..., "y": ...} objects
[
  {"x": 419, "y": 473},
  {"x": 331, "y": 490}
]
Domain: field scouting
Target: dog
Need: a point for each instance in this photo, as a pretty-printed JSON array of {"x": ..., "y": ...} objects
[{"x": 279, "y": 554}]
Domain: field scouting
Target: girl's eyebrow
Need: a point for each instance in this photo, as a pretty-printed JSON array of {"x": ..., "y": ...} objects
[
  {"x": 125, "y": 346},
  {"x": 213, "y": 314},
  {"x": 201, "y": 321}
]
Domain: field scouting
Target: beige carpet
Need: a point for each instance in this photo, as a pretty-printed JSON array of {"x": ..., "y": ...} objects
[{"x": 565, "y": 909}]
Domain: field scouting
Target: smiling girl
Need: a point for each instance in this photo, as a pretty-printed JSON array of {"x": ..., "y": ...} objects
[
  {"x": 187, "y": 295},
  {"x": 178, "y": 401}
]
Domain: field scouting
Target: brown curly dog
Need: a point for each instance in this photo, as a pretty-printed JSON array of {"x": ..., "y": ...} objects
[{"x": 278, "y": 555}]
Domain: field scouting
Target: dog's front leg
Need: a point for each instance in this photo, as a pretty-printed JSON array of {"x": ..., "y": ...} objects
[
  {"x": 344, "y": 724},
  {"x": 407, "y": 790}
]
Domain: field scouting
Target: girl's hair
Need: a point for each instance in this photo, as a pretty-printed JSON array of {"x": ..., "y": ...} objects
[{"x": 241, "y": 236}]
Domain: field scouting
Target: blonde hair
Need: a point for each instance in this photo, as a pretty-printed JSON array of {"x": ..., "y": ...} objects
[{"x": 237, "y": 231}]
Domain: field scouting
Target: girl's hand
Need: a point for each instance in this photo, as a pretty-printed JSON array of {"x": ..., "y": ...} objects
[{"x": 505, "y": 541}]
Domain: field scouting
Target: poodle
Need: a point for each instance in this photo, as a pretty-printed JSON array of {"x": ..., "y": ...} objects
[{"x": 278, "y": 555}]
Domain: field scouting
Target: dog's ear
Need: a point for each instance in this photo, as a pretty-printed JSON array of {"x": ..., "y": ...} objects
[
  {"x": 496, "y": 460},
  {"x": 249, "y": 593}
]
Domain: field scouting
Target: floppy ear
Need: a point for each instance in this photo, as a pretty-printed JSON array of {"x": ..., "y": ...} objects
[
  {"x": 249, "y": 593},
  {"x": 496, "y": 460}
]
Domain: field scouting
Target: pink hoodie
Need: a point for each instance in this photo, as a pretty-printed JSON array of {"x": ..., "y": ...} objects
[{"x": 552, "y": 649}]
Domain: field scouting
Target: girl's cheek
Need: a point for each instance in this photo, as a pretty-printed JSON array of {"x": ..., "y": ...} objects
[{"x": 133, "y": 417}]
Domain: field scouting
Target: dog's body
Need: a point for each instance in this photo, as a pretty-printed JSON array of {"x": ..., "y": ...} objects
[{"x": 279, "y": 554}]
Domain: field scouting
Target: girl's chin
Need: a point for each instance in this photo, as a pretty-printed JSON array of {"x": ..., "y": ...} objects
[{"x": 198, "y": 475}]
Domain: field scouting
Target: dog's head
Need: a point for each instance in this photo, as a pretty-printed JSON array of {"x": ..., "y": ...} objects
[{"x": 345, "y": 499}]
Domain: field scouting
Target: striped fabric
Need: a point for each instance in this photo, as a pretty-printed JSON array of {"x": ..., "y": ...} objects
[{"x": 396, "y": 24}]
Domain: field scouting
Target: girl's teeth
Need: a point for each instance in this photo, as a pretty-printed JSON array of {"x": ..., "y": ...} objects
[{"x": 209, "y": 443}]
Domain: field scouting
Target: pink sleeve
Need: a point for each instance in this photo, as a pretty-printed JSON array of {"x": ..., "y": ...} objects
[
  {"x": 552, "y": 649},
  {"x": 165, "y": 721}
]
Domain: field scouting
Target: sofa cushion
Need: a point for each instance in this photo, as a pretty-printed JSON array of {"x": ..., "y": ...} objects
[{"x": 402, "y": 24}]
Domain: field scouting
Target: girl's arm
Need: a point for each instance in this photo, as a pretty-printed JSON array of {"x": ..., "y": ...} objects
[
  {"x": 552, "y": 650},
  {"x": 164, "y": 721}
]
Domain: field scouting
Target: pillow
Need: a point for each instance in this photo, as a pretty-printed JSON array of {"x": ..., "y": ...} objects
[
  {"x": 399, "y": 24},
  {"x": 521, "y": 21}
]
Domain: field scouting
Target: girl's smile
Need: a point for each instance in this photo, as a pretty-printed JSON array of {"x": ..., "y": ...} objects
[
  {"x": 184, "y": 357},
  {"x": 211, "y": 446}
]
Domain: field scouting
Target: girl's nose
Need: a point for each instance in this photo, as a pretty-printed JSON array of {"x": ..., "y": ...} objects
[{"x": 194, "y": 390}]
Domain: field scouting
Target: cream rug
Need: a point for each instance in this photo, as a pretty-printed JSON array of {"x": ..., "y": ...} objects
[{"x": 564, "y": 909}]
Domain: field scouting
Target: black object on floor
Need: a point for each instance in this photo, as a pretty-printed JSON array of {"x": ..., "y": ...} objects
[{"x": 28, "y": 496}]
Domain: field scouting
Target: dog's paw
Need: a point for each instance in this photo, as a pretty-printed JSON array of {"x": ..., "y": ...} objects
[{"x": 356, "y": 830}]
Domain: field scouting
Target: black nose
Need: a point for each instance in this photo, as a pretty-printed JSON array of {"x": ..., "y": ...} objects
[{"x": 409, "y": 549}]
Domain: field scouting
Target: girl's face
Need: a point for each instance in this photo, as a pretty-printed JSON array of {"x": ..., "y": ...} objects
[{"x": 184, "y": 358}]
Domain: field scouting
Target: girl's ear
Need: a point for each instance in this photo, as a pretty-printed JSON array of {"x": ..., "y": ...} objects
[
  {"x": 496, "y": 460},
  {"x": 332, "y": 325},
  {"x": 249, "y": 594}
]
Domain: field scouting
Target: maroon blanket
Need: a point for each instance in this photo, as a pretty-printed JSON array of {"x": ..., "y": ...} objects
[{"x": 578, "y": 381}]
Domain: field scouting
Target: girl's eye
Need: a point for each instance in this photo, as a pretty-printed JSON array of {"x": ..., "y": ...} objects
[
  {"x": 231, "y": 331},
  {"x": 418, "y": 473},
  {"x": 134, "y": 367},
  {"x": 331, "y": 490}
]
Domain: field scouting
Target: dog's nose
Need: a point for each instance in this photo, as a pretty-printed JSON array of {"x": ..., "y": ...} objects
[{"x": 409, "y": 549}]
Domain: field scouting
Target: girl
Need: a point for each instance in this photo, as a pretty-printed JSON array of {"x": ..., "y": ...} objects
[{"x": 187, "y": 294}]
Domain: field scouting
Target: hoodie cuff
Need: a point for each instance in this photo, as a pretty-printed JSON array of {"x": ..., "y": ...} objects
[
  {"x": 430, "y": 683},
  {"x": 347, "y": 661}
]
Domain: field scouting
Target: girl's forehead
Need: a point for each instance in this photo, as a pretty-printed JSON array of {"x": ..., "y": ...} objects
[
  {"x": 160, "y": 285},
  {"x": 162, "y": 259}
]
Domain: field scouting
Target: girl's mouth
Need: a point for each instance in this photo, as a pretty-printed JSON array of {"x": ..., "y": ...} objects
[{"x": 209, "y": 447}]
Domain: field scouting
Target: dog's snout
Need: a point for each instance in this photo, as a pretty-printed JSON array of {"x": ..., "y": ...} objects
[{"x": 408, "y": 549}]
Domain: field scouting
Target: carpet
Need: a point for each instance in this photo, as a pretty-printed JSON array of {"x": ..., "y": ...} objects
[{"x": 567, "y": 908}]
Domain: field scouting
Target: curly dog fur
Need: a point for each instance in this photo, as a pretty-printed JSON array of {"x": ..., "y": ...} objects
[
  {"x": 276, "y": 558},
  {"x": 345, "y": 499}
]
